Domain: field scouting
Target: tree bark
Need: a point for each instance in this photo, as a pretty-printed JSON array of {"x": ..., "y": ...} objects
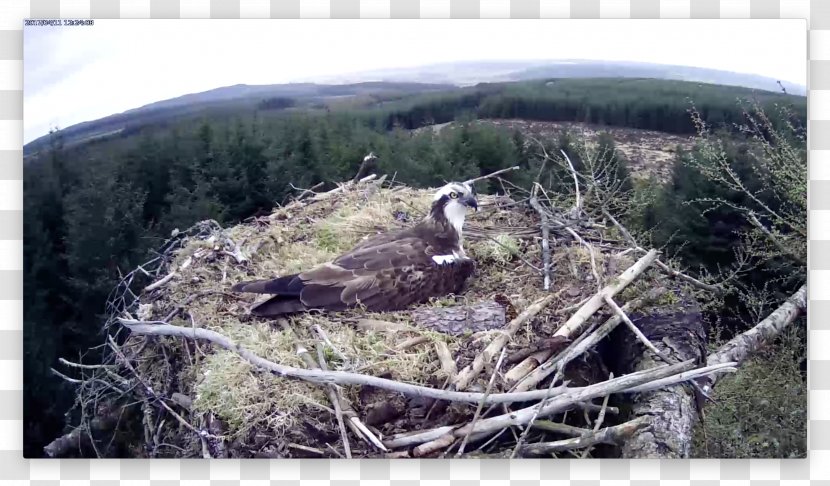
[
  {"x": 460, "y": 319},
  {"x": 676, "y": 331},
  {"x": 673, "y": 411}
]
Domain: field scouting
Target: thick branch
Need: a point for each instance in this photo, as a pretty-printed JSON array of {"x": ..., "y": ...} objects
[
  {"x": 469, "y": 373},
  {"x": 578, "y": 347},
  {"x": 326, "y": 377},
  {"x": 160, "y": 283},
  {"x": 545, "y": 240},
  {"x": 743, "y": 345},
  {"x": 571, "y": 327}
]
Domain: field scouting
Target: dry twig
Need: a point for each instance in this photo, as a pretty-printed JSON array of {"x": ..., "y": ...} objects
[
  {"x": 445, "y": 357},
  {"x": 471, "y": 372},
  {"x": 578, "y": 206},
  {"x": 160, "y": 283},
  {"x": 493, "y": 174},
  {"x": 572, "y": 325},
  {"x": 546, "y": 262},
  {"x": 600, "y": 418},
  {"x": 334, "y": 394},
  {"x": 481, "y": 403},
  {"x": 665, "y": 268},
  {"x": 609, "y": 435},
  {"x": 634, "y": 329}
]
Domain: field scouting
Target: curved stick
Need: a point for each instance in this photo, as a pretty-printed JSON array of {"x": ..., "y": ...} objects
[{"x": 332, "y": 377}]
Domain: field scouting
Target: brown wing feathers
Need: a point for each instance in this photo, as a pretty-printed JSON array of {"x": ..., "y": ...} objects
[
  {"x": 287, "y": 285},
  {"x": 386, "y": 272}
]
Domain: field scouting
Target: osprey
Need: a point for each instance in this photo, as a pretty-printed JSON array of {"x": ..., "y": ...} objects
[{"x": 387, "y": 272}]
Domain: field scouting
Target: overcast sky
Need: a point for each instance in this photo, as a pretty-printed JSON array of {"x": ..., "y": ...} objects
[{"x": 74, "y": 74}]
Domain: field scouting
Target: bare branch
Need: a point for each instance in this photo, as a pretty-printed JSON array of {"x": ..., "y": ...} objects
[
  {"x": 471, "y": 372},
  {"x": 711, "y": 371},
  {"x": 334, "y": 397},
  {"x": 633, "y": 328},
  {"x": 324, "y": 377},
  {"x": 494, "y": 174},
  {"x": 545, "y": 241},
  {"x": 160, "y": 283},
  {"x": 670, "y": 271},
  {"x": 84, "y": 366},
  {"x": 481, "y": 403},
  {"x": 572, "y": 325},
  {"x": 576, "y": 183},
  {"x": 610, "y": 435},
  {"x": 775, "y": 241},
  {"x": 600, "y": 418},
  {"x": 743, "y": 345},
  {"x": 65, "y": 378}
]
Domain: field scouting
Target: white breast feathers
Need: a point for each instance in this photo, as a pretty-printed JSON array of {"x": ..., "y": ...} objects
[
  {"x": 448, "y": 259},
  {"x": 444, "y": 259}
]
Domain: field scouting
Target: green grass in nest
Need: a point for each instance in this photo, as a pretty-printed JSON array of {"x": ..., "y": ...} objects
[{"x": 249, "y": 400}]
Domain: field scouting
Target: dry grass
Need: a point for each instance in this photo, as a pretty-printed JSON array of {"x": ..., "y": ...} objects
[{"x": 294, "y": 238}]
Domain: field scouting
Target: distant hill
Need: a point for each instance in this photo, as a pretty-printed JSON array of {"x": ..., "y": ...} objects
[
  {"x": 234, "y": 98},
  {"x": 378, "y": 87},
  {"x": 473, "y": 72}
]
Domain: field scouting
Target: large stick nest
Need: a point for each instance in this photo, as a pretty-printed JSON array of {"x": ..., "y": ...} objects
[{"x": 226, "y": 407}]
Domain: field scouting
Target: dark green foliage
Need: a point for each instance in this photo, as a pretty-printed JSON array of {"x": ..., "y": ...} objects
[
  {"x": 762, "y": 410},
  {"x": 635, "y": 103},
  {"x": 279, "y": 103},
  {"x": 96, "y": 209}
]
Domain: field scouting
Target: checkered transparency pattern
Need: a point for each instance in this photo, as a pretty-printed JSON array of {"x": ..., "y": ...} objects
[{"x": 405, "y": 472}]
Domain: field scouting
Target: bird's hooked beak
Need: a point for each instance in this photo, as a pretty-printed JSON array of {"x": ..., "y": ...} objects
[{"x": 470, "y": 201}]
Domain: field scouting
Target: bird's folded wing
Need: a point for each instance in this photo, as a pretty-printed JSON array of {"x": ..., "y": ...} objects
[{"x": 384, "y": 275}]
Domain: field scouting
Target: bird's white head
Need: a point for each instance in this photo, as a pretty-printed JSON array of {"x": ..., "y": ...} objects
[{"x": 453, "y": 200}]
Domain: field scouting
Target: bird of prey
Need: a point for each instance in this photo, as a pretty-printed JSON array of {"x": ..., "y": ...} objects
[{"x": 386, "y": 272}]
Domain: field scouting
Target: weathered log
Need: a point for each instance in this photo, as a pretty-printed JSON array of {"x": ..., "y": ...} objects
[
  {"x": 677, "y": 331},
  {"x": 680, "y": 334},
  {"x": 458, "y": 320}
]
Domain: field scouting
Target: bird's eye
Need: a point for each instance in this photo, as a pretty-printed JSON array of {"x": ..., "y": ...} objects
[{"x": 454, "y": 195}]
